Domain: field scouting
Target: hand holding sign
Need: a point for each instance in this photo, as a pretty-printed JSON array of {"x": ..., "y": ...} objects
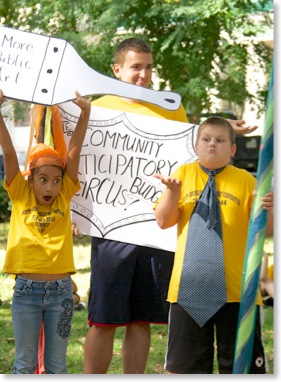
[{"x": 46, "y": 70}]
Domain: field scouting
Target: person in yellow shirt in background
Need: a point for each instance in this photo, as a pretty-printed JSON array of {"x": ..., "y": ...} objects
[{"x": 129, "y": 282}]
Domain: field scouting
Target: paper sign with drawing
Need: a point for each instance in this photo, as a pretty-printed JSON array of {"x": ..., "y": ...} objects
[{"x": 121, "y": 152}]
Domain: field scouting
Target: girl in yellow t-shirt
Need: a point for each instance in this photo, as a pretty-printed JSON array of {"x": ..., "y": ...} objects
[{"x": 39, "y": 246}]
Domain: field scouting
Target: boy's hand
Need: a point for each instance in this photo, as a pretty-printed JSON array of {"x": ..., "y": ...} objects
[
  {"x": 267, "y": 201},
  {"x": 168, "y": 181}
]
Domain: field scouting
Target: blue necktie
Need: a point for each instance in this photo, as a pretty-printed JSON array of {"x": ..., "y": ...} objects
[{"x": 202, "y": 290}]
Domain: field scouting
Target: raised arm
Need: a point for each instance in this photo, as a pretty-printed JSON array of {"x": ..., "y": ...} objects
[
  {"x": 77, "y": 138},
  {"x": 167, "y": 212},
  {"x": 11, "y": 164}
]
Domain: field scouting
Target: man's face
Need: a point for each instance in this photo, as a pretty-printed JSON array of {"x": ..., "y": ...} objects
[{"x": 136, "y": 69}]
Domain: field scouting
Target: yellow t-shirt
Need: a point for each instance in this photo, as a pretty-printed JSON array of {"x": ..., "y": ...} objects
[
  {"x": 40, "y": 237},
  {"x": 235, "y": 193},
  {"x": 144, "y": 108}
]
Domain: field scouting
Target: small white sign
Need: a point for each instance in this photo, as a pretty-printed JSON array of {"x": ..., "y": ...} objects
[{"x": 47, "y": 70}]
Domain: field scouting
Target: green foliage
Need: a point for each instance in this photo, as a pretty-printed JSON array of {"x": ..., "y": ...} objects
[
  {"x": 201, "y": 47},
  {"x": 5, "y": 205},
  {"x": 19, "y": 110}
]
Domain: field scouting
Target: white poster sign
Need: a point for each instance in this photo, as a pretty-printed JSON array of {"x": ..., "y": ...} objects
[{"x": 120, "y": 154}]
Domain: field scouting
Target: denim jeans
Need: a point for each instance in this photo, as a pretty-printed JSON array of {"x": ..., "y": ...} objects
[{"x": 33, "y": 302}]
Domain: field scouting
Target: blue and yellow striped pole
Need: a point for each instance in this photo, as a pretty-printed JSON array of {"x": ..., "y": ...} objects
[{"x": 255, "y": 244}]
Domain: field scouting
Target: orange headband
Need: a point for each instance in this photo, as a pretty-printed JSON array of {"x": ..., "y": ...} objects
[{"x": 43, "y": 155}]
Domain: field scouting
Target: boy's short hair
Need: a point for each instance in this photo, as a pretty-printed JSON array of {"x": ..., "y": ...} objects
[
  {"x": 135, "y": 44},
  {"x": 219, "y": 122}
]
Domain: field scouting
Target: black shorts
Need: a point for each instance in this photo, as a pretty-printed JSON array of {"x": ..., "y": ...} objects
[
  {"x": 191, "y": 348},
  {"x": 129, "y": 283}
]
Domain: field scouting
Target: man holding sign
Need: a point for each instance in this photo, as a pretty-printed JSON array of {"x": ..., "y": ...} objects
[{"x": 129, "y": 282}]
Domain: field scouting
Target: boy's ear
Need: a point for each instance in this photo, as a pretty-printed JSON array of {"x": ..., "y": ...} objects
[{"x": 233, "y": 150}]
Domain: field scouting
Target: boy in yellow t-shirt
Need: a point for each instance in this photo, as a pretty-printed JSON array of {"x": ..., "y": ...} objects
[{"x": 191, "y": 345}]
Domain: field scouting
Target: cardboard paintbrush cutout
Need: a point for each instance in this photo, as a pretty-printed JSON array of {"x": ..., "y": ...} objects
[{"x": 45, "y": 70}]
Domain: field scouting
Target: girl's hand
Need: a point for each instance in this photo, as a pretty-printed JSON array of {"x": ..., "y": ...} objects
[
  {"x": 83, "y": 103},
  {"x": 2, "y": 99}
]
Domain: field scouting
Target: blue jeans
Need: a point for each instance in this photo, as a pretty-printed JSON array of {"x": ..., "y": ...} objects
[{"x": 33, "y": 302}]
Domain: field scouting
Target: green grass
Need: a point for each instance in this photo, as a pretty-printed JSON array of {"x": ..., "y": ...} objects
[{"x": 80, "y": 326}]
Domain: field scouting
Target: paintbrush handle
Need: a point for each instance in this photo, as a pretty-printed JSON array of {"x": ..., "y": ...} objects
[{"x": 46, "y": 70}]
